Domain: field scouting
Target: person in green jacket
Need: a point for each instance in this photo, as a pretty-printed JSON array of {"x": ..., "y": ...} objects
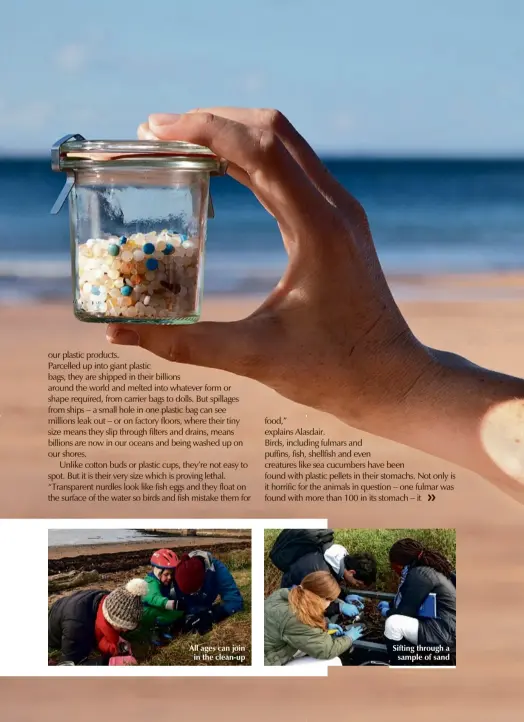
[
  {"x": 295, "y": 625},
  {"x": 160, "y": 612}
]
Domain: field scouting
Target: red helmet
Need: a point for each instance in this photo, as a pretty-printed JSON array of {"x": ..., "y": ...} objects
[{"x": 164, "y": 559}]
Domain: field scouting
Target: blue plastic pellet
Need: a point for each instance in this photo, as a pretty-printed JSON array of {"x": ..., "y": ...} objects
[
  {"x": 122, "y": 240},
  {"x": 126, "y": 290},
  {"x": 148, "y": 248},
  {"x": 183, "y": 237},
  {"x": 151, "y": 264},
  {"x": 113, "y": 249},
  {"x": 168, "y": 250}
]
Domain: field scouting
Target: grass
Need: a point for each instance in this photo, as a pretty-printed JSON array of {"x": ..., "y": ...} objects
[
  {"x": 375, "y": 541},
  {"x": 231, "y": 633},
  {"x": 223, "y": 638}
]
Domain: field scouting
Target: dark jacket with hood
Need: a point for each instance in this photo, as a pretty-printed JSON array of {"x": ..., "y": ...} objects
[
  {"x": 71, "y": 624},
  {"x": 417, "y": 583},
  {"x": 299, "y": 552},
  {"x": 218, "y": 582}
]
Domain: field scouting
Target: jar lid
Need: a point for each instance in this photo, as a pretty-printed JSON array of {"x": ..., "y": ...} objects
[{"x": 74, "y": 152}]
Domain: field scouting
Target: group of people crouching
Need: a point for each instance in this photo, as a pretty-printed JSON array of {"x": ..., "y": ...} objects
[
  {"x": 178, "y": 595},
  {"x": 297, "y": 617}
]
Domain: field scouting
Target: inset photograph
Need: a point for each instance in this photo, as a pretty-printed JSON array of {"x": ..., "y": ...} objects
[
  {"x": 360, "y": 597},
  {"x": 170, "y": 597}
]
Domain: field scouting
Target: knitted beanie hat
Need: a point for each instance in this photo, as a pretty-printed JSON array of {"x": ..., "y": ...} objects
[
  {"x": 122, "y": 608},
  {"x": 190, "y": 574}
]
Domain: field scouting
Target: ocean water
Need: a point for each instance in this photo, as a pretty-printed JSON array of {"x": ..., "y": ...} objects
[
  {"x": 427, "y": 216},
  {"x": 92, "y": 537}
]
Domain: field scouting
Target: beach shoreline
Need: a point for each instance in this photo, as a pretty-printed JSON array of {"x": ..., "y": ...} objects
[
  {"x": 105, "y": 548},
  {"x": 406, "y": 286}
]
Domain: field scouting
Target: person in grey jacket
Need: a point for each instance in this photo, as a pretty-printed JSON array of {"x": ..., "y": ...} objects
[
  {"x": 295, "y": 624},
  {"x": 423, "y": 572}
]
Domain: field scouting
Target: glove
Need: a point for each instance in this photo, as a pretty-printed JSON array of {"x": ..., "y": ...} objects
[
  {"x": 338, "y": 629},
  {"x": 170, "y": 604},
  {"x": 356, "y": 600},
  {"x": 383, "y": 608},
  {"x": 200, "y": 623},
  {"x": 123, "y": 647},
  {"x": 205, "y": 622},
  {"x": 354, "y": 632},
  {"x": 349, "y": 610},
  {"x": 219, "y": 613}
]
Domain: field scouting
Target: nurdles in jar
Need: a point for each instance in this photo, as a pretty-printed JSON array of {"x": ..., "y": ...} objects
[{"x": 151, "y": 276}]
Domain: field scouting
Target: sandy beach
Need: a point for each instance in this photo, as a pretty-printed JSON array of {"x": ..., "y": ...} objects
[
  {"x": 70, "y": 551},
  {"x": 490, "y": 525},
  {"x": 487, "y": 331}
]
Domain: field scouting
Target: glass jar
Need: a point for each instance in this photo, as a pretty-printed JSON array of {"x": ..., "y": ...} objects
[{"x": 138, "y": 217}]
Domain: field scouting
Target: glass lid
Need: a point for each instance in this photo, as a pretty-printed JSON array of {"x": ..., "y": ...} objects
[{"x": 74, "y": 152}]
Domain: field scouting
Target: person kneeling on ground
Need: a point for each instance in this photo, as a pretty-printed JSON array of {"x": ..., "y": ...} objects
[
  {"x": 299, "y": 552},
  {"x": 199, "y": 580},
  {"x": 295, "y": 623},
  {"x": 93, "y": 620},
  {"x": 422, "y": 572},
  {"x": 160, "y": 610}
]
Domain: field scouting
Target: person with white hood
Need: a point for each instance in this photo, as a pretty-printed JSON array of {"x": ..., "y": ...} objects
[{"x": 299, "y": 552}]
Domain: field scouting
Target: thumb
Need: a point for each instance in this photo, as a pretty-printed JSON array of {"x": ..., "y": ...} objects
[{"x": 229, "y": 346}]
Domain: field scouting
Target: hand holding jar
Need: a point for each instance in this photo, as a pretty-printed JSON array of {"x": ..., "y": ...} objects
[{"x": 330, "y": 335}]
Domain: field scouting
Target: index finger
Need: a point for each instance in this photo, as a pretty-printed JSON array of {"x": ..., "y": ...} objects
[{"x": 274, "y": 174}]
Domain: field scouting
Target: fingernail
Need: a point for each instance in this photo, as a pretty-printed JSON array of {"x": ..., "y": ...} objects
[
  {"x": 124, "y": 336},
  {"x": 163, "y": 118}
]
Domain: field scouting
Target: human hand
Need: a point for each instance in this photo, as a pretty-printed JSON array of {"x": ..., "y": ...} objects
[
  {"x": 330, "y": 335},
  {"x": 123, "y": 647},
  {"x": 356, "y": 600},
  {"x": 338, "y": 629},
  {"x": 219, "y": 613},
  {"x": 349, "y": 610},
  {"x": 170, "y": 604},
  {"x": 354, "y": 632},
  {"x": 331, "y": 320},
  {"x": 383, "y": 608}
]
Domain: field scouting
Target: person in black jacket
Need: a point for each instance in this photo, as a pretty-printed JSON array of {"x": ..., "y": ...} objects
[
  {"x": 316, "y": 552},
  {"x": 93, "y": 620},
  {"x": 422, "y": 572}
]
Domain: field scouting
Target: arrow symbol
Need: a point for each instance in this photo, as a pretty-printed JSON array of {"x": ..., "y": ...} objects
[{"x": 431, "y": 497}]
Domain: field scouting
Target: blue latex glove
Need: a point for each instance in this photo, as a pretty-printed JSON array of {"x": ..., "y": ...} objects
[
  {"x": 338, "y": 629},
  {"x": 354, "y": 632},
  {"x": 349, "y": 610},
  {"x": 383, "y": 608},
  {"x": 356, "y": 600}
]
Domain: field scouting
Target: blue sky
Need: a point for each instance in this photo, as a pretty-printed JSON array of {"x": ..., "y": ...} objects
[{"x": 375, "y": 76}]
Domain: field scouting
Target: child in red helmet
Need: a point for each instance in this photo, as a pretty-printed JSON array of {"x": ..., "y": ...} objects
[{"x": 159, "y": 609}]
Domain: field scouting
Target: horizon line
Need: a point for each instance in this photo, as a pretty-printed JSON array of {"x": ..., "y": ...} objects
[{"x": 343, "y": 155}]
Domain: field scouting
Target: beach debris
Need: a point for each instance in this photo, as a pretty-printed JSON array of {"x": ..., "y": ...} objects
[
  {"x": 151, "y": 275},
  {"x": 70, "y": 580}
]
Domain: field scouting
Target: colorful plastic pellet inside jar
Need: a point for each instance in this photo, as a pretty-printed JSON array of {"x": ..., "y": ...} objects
[{"x": 138, "y": 218}]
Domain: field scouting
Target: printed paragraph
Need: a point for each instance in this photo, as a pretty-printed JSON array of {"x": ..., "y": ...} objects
[
  {"x": 304, "y": 465},
  {"x": 103, "y": 411}
]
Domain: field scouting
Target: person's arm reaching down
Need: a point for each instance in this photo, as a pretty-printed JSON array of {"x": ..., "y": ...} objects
[
  {"x": 330, "y": 335},
  {"x": 230, "y": 597}
]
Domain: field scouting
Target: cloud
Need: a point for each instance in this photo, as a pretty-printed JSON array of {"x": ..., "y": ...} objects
[{"x": 72, "y": 58}]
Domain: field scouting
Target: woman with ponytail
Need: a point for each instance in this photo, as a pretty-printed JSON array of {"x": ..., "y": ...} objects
[
  {"x": 414, "y": 616},
  {"x": 295, "y": 625}
]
